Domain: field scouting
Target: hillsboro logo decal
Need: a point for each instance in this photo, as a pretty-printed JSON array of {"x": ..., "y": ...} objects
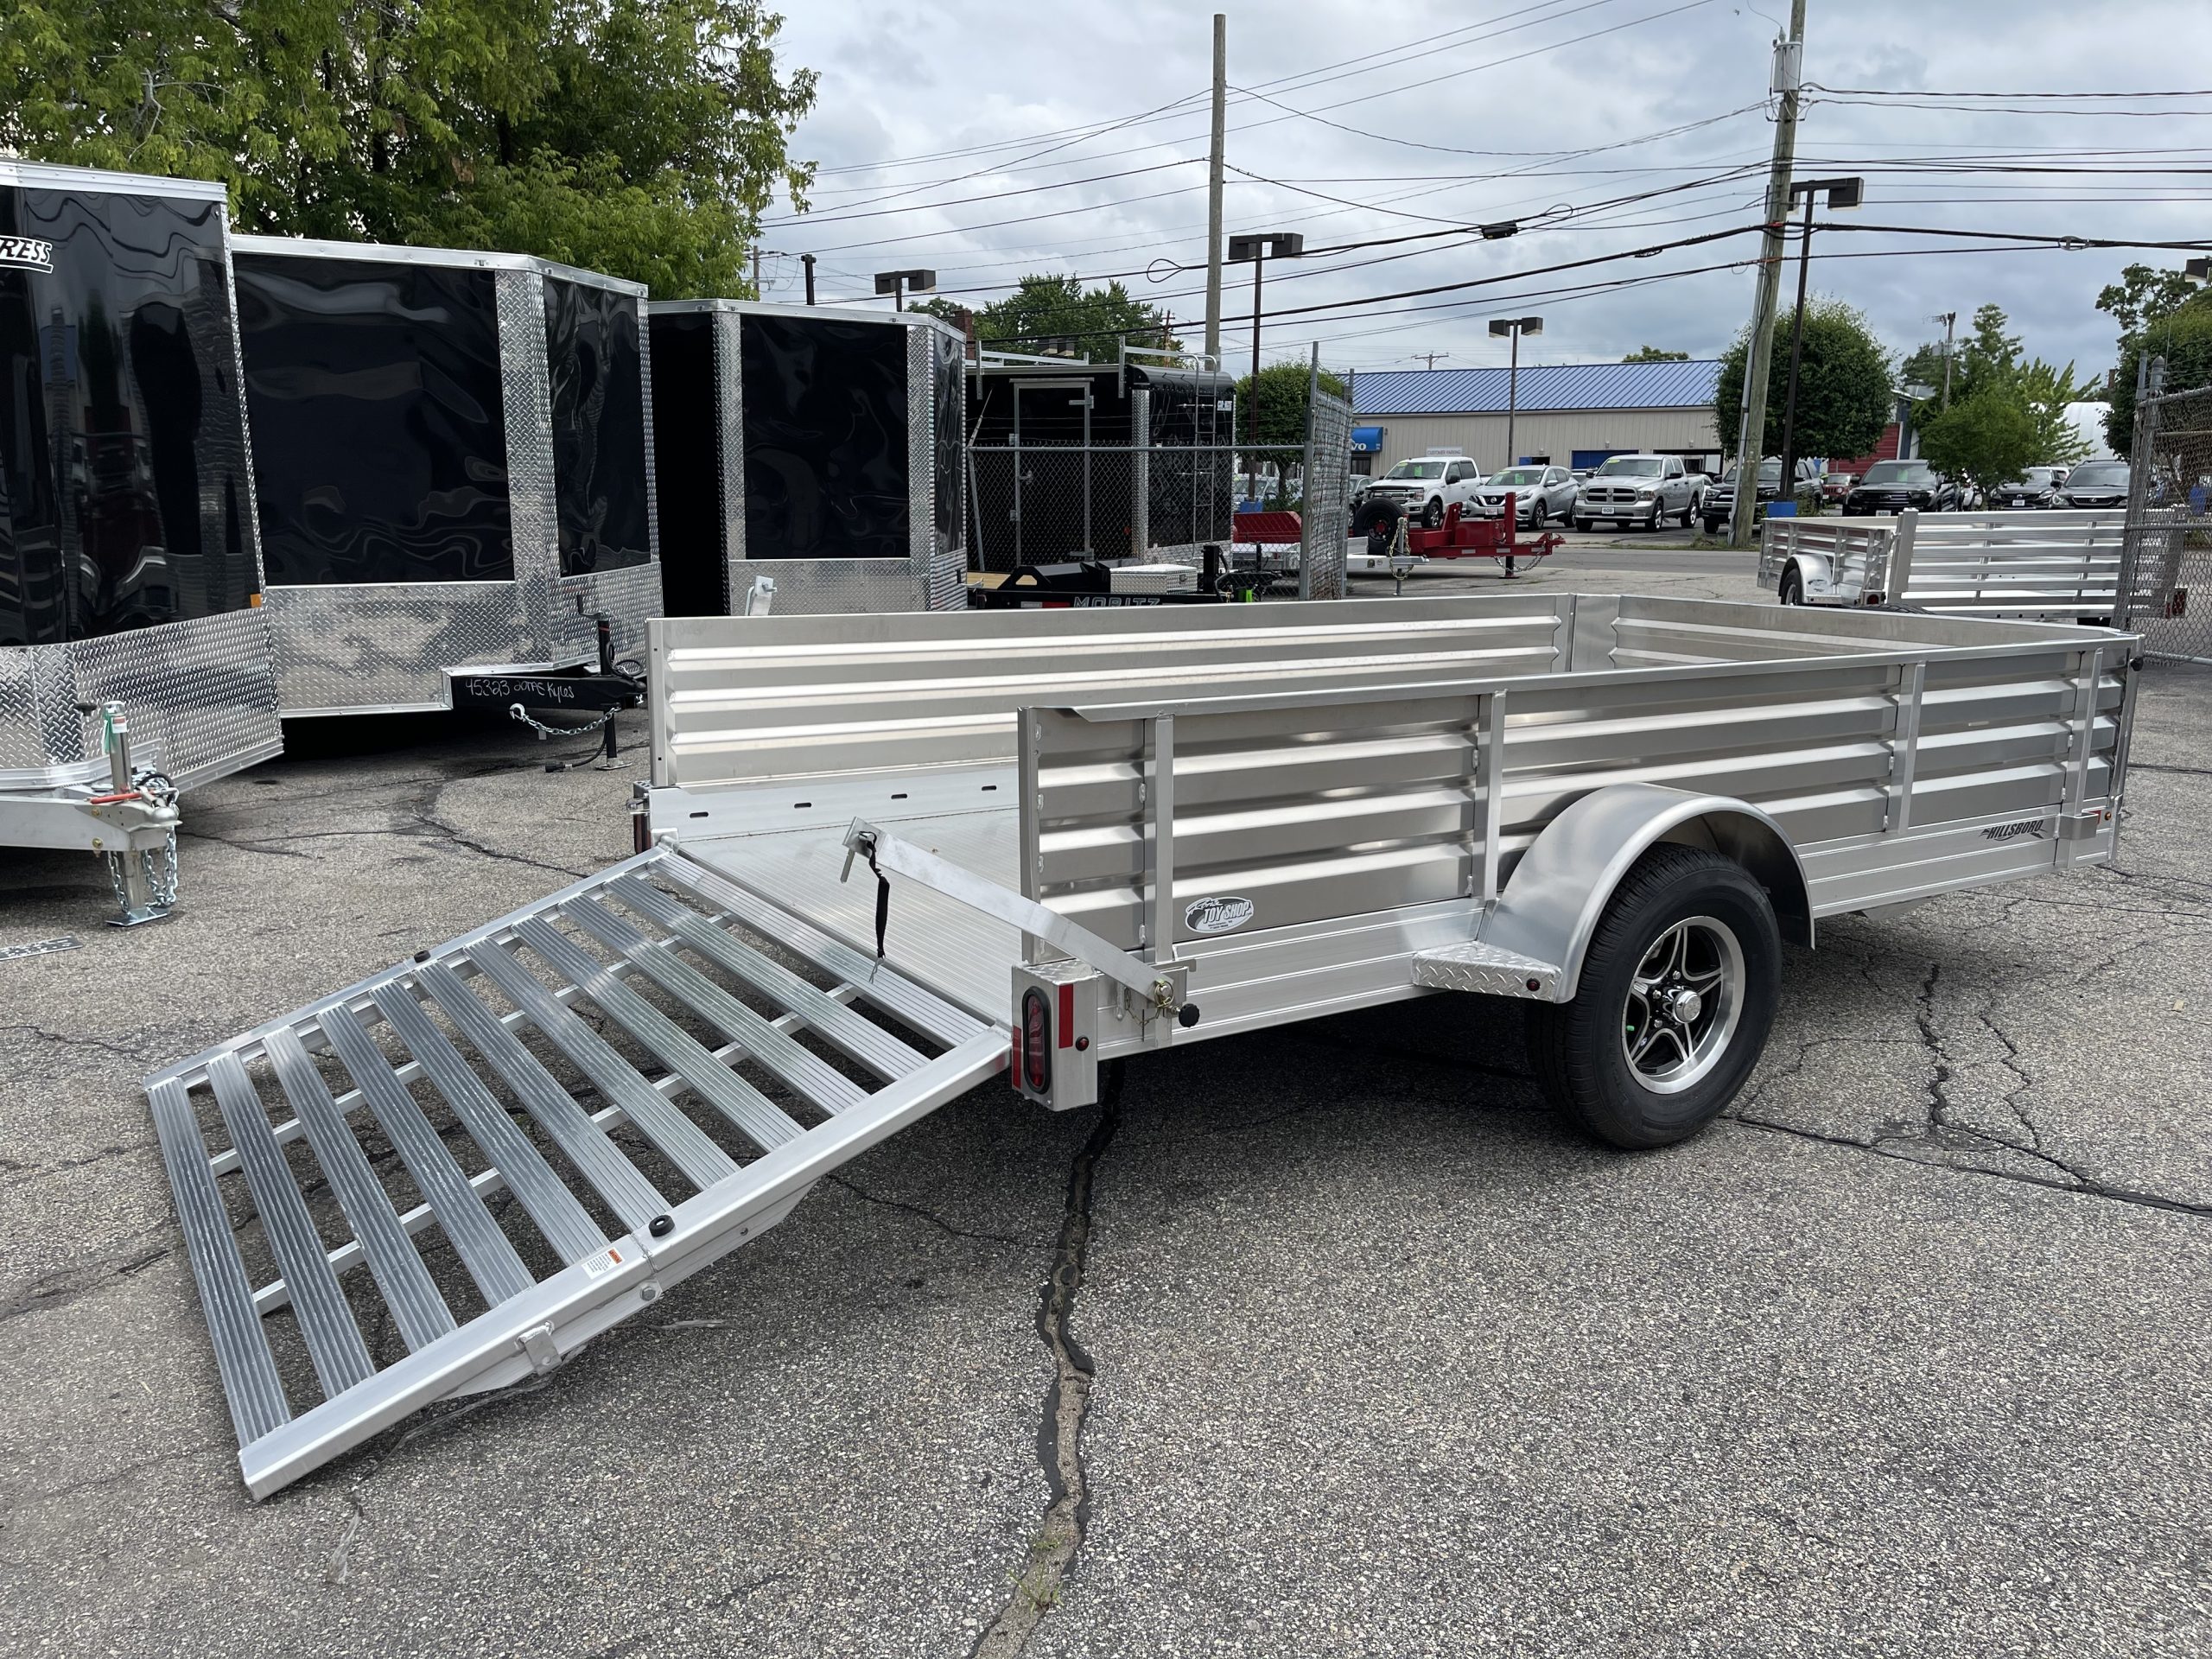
[
  {"x": 1217, "y": 915},
  {"x": 27, "y": 252}
]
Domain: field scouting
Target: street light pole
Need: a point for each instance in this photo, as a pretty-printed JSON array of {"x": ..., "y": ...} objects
[
  {"x": 1514, "y": 326},
  {"x": 896, "y": 282},
  {"x": 1258, "y": 249},
  {"x": 1839, "y": 193}
]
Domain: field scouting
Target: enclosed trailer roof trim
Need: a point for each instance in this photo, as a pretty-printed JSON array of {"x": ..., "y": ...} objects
[{"x": 396, "y": 253}]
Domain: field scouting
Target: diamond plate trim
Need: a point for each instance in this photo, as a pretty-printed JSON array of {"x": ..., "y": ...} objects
[
  {"x": 921, "y": 455},
  {"x": 729, "y": 394},
  {"x": 1485, "y": 970},
  {"x": 533, "y": 516},
  {"x": 629, "y": 595},
  {"x": 387, "y": 645},
  {"x": 201, "y": 695}
]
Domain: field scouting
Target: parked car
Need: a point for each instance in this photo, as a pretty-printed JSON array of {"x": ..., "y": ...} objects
[
  {"x": 1539, "y": 493},
  {"x": 1719, "y": 502},
  {"x": 1893, "y": 486},
  {"x": 1637, "y": 489},
  {"x": 2095, "y": 484},
  {"x": 1836, "y": 486},
  {"x": 1426, "y": 487},
  {"x": 2036, "y": 487}
]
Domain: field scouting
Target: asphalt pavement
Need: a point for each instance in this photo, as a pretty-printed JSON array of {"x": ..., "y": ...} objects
[{"x": 1907, "y": 1356}]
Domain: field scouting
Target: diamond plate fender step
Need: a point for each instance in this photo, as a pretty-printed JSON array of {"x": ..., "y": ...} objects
[
  {"x": 524, "y": 1136},
  {"x": 1487, "y": 971}
]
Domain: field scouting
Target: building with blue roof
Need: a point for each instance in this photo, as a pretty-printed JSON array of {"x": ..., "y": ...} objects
[{"x": 1567, "y": 414}]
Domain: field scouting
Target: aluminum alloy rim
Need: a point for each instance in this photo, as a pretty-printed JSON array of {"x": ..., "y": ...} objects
[{"x": 1685, "y": 1002}]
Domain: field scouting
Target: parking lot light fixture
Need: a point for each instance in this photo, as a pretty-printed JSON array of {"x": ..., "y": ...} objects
[
  {"x": 1514, "y": 328},
  {"x": 1257, "y": 249},
  {"x": 1839, "y": 193},
  {"x": 896, "y": 282}
]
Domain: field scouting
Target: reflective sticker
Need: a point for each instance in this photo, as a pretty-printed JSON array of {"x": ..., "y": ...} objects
[{"x": 1217, "y": 915}]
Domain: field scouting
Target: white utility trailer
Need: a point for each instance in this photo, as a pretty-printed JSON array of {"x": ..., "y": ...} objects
[
  {"x": 890, "y": 856},
  {"x": 2032, "y": 565}
]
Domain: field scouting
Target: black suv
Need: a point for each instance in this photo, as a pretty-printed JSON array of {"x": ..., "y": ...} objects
[
  {"x": 1719, "y": 503},
  {"x": 2095, "y": 484},
  {"x": 1893, "y": 486}
]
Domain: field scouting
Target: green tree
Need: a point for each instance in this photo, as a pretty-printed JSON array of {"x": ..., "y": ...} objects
[
  {"x": 1058, "y": 313},
  {"x": 2143, "y": 295},
  {"x": 2044, "y": 392},
  {"x": 1989, "y": 438},
  {"x": 1271, "y": 428},
  {"x": 1655, "y": 354},
  {"x": 2184, "y": 338},
  {"x": 1923, "y": 368},
  {"x": 1843, "y": 398},
  {"x": 642, "y": 137},
  {"x": 1988, "y": 356}
]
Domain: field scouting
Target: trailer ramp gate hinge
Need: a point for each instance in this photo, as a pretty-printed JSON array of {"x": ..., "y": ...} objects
[{"x": 539, "y": 1349}]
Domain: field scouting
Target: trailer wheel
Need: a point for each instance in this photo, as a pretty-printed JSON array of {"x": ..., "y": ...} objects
[
  {"x": 1792, "y": 588},
  {"x": 1677, "y": 994}
]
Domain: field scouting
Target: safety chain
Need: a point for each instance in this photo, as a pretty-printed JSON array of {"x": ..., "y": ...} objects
[
  {"x": 161, "y": 873},
  {"x": 518, "y": 712}
]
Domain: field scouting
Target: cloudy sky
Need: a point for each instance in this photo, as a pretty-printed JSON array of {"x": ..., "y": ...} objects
[{"x": 990, "y": 139}]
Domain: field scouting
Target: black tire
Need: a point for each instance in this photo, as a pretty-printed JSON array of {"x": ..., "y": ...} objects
[
  {"x": 1712, "y": 527},
  {"x": 1791, "y": 589},
  {"x": 1690, "y": 512},
  {"x": 1584, "y": 524},
  {"x": 1431, "y": 516},
  {"x": 1580, "y": 1050},
  {"x": 1658, "y": 518}
]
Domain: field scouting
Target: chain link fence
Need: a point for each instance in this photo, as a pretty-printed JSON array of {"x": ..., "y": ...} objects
[
  {"x": 1325, "y": 512},
  {"x": 2165, "y": 576},
  {"x": 1045, "y": 502}
]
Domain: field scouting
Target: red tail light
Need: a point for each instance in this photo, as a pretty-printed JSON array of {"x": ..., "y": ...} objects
[{"x": 1036, "y": 1041}]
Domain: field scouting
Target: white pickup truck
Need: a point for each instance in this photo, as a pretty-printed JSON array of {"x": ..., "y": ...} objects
[
  {"x": 1639, "y": 489},
  {"x": 1424, "y": 488}
]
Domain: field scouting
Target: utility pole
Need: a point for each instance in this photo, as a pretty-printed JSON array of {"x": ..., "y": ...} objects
[
  {"x": 1213, "y": 188},
  {"x": 756, "y": 273},
  {"x": 807, "y": 259},
  {"x": 1430, "y": 358},
  {"x": 1950, "y": 321},
  {"x": 1751, "y": 443}
]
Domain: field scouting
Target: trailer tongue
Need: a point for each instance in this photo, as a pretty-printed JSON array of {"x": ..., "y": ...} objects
[{"x": 889, "y": 854}]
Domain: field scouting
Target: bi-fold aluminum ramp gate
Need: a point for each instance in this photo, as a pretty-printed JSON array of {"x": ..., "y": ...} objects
[{"x": 447, "y": 1177}]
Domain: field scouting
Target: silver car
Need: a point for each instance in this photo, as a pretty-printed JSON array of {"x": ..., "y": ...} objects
[{"x": 1539, "y": 494}]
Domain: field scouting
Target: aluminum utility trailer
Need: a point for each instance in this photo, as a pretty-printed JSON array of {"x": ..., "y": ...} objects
[
  {"x": 1101, "y": 833},
  {"x": 132, "y": 663},
  {"x": 2030, "y": 566},
  {"x": 817, "y": 446},
  {"x": 454, "y": 465}
]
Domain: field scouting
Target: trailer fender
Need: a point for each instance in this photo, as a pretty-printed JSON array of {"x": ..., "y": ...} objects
[
  {"x": 1814, "y": 577},
  {"x": 1561, "y": 886}
]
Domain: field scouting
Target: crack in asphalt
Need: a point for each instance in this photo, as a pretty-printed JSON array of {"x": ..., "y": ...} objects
[
  {"x": 1053, "y": 1546},
  {"x": 424, "y": 810},
  {"x": 928, "y": 1215}
]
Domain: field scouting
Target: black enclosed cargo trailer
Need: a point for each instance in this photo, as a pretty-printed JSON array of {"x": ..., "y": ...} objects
[
  {"x": 818, "y": 447},
  {"x": 454, "y": 464},
  {"x": 130, "y": 568}
]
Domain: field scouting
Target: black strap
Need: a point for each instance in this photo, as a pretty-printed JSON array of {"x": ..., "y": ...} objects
[{"x": 882, "y": 894}]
